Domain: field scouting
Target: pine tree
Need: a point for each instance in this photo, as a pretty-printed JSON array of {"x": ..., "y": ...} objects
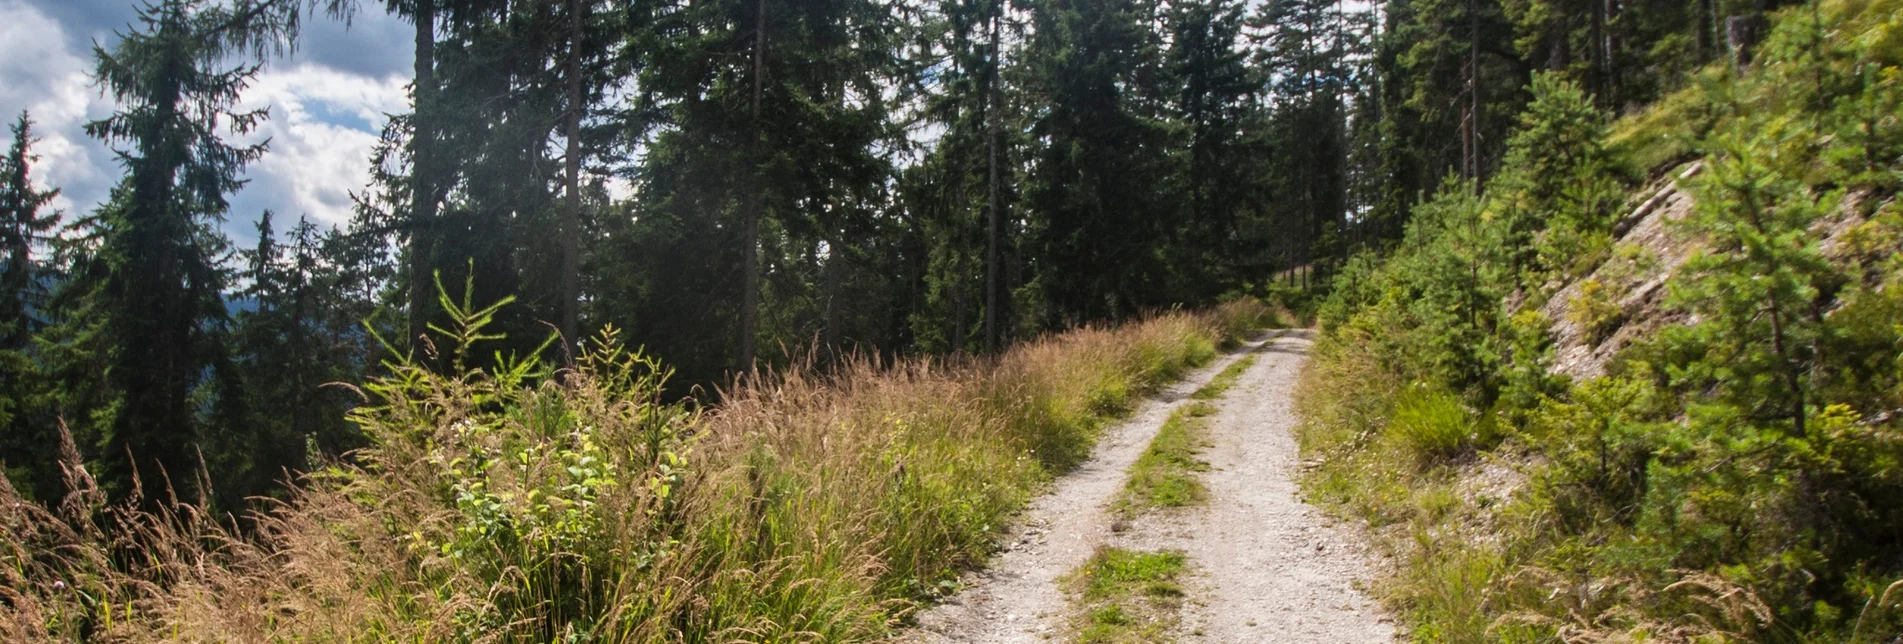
[
  {"x": 769, "y": 128},
  {"x": 1094, "y": 199},
  {"x": 155, "y": 283},
  {"x": 1756, "y": 284},
  {"x": 1562, "y": 184},
  {"x": 23, "y": 229},
  {"x": 956, "y": 196},
  {"x": 1217, "y": 104},
  {"x": 1304, "y": 53},
  {"x": 298, "y": 334},
  {"x": 1453, "y": 82}
]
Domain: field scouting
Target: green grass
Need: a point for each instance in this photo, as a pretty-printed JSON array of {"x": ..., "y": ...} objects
[
  {"x": 1433, "y": 426},
  {"x": 1126, "y": 596},
  {"x": 1223, "y": 381},
  {"x": 1165, "y": 475}
]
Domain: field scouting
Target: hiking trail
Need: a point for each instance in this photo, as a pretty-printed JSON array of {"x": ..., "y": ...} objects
[{"x": 1266, "y": 567}]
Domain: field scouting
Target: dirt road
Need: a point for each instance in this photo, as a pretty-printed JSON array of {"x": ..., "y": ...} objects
[{"x": 1269, "y": 568}]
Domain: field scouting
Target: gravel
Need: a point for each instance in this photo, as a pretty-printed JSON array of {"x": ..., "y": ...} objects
[{"x": 1268, "y": 567}]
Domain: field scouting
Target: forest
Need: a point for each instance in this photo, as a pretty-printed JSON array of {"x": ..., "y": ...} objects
[
  {"x": 810, "y": 181},
  {"x": 643, "y": 292}
]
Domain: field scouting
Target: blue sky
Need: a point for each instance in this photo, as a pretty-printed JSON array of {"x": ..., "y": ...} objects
[{"x": 327, "y": 102}]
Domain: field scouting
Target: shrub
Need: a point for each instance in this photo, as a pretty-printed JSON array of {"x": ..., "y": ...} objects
[
  {"x": 1736, "y": 476},
  {"x": 1433, "y": 426},
  {"x": 1595, "y": 310}
]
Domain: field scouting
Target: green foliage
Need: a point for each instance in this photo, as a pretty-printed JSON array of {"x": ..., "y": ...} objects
[
  {"x": 1559, "y": 183},
  {"x": 512, "y": 500},
  {"x": 1595, "y": 309},
  {"x": 23, "y": 297},
  {"x": 1734, "y": 476},
  {"x": 1127, "y": 596},
  {"x": 1434, "y": 426},
  {"x": 149, "y": 277},
  {"x": 1165, "y": 475}
]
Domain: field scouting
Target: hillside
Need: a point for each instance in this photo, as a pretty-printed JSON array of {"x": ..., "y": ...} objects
[{"x": 1645, "y": 385}]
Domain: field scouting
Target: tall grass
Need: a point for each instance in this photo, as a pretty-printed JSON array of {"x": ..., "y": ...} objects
[{"x": 517, "y": 504}]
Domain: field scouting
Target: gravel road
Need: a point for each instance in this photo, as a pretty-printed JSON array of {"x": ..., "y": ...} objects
[{"x": 1268, "y": 567}]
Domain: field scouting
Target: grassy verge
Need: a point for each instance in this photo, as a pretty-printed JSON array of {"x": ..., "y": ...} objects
[
  {"x": 502, "y": 505},
  {"x": 1127, "y": 596},
  {"x": 1731, "y": 472},
  {"x": 1390, "y": 456}
]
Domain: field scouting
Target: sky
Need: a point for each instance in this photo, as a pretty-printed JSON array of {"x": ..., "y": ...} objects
[{"x": 328, "y": 102}]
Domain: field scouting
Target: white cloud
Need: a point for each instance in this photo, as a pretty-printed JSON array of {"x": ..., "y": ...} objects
[
  {"x": 323, "y": 126},
  {"x": 324, "y": 123},
  {"x": 42, "y": 71}
]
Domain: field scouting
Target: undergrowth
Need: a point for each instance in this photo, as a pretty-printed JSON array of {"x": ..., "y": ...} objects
[
  {"x": 1737, "y": 474},
  {"x": 507, "y": 500}
]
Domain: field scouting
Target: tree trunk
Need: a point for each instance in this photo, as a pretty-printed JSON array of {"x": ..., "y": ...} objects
[
  {"x": 1471, "y": 145},
  {"x": 991, "y": 186},
  {"x": 422, "y": 184},
  {"x": 750, "y": 223},
  {"x": 1611, "y": 48},
  {"x": 571, "y": 216},
  {"x": 1741, "y": 37},
  {"x": 1558, "y": 51},
  {"x": 1701, "y": 34},
  {"x": 830, "y": 275}
]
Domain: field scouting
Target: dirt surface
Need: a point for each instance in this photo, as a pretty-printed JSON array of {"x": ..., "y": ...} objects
[{"x": 1269, "y": 568}]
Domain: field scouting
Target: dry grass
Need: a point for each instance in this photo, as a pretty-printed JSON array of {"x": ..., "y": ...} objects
[{"x": 504, "y": 506}]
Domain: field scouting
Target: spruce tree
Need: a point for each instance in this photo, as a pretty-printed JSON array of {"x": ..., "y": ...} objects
[
  {"x": 23, "y": 229},
  {"x": 1096, "y": 211},
  {"x": 1303, "y": 55},
  {"x": 23, "y": 226},
  {"x": 1216, "y": 105},
  {"x": 154, "y": 282},
  {"x": 770, "y": 143}
]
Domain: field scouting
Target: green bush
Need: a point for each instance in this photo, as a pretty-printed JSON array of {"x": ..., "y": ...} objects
[
  {"x": 1737, "y": 476},
  {"x": 1596, "y": 310},
  {"x": 1434, "y": 426}
]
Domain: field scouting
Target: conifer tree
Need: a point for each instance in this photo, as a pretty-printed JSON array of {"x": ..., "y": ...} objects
[
  {"x": 1095, "y": 208},
  {"x": 23, "y": 226},
  {"x": 1303, "y": 54},
  {"x": 1216, "y": 105},
  {"x": 155, "y": 283},
  {"x": 1562, "y": 183},
  {"x": 956, "y": 184},
  {"x": 769, "y": 129},
  {"x": 1756, "y": 284},
  {"x": 23, "y": 229}
]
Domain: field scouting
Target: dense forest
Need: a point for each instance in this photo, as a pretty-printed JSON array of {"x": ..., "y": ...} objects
[{"x": 829, "y": 186}]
